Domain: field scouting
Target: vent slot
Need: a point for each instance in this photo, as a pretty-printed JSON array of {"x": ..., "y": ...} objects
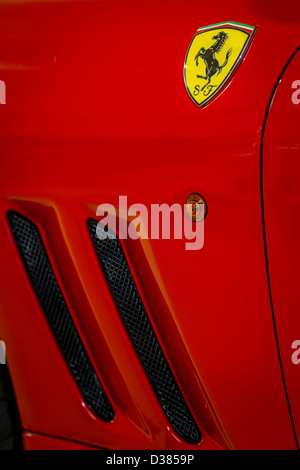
[
  {"x": 45, "y": 285},
  {"x": 136, "y": 321}
]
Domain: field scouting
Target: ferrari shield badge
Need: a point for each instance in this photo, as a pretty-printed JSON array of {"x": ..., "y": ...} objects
[{"x": 212, "y": 58}]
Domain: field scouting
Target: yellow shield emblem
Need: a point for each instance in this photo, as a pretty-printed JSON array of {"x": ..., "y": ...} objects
[{"x": 212, "y": 58}]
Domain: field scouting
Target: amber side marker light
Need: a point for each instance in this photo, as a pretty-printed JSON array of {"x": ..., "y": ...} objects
[{"x": 196, "y": 207}]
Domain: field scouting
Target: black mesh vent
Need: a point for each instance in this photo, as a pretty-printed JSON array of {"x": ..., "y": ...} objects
[
  {"x": 44, "y": 283},
  {"x": 140, "y": 331}
]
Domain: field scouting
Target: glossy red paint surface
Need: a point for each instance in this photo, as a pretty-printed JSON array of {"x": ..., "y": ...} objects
[
  {"x": 37, "y": 442},
  {"x": 97, "y": 108},
  {"x": 281, "y": 170}
]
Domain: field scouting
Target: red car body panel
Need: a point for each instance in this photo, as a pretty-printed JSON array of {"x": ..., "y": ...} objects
[
  {"x": 97, "y": 108},
  {"x": 37, "y": 442},
  {"x": 281, "y": 169}
]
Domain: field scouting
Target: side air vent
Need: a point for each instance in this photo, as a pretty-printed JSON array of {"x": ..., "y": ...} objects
[
  {"x": 136, "y": 321},
  {"x": 46, "y": 287}
]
